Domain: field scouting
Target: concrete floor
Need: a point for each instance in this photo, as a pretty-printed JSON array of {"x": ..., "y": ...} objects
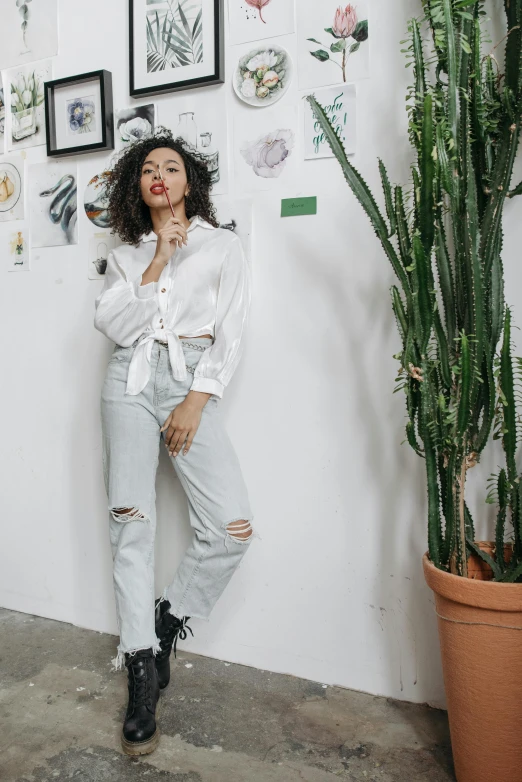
[{"x": 61, "y": 712}]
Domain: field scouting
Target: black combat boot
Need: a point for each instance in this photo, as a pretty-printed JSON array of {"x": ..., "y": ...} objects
[
  {"x": 140, "y": 734},
  {"x": 168, "y": 627}
]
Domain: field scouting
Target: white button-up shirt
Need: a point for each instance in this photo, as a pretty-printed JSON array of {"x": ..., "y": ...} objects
[{"x": 205, "y": 288}]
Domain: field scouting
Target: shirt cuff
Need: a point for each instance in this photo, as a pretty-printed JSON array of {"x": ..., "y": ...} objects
[
  {"x": 208, "y": 386},
  {"x": 145, "y": 291}
]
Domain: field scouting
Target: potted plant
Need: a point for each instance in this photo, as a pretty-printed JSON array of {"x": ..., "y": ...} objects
[{"x": 456, "y": 368}]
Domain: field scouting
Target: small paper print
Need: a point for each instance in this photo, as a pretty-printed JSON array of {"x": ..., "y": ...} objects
[
  {"x": 134, "y": 124},
  {"x": 53, "y": 200},
  {"x": 17, "y": 251},
  {"x": 25, "y": 87},
  {"x": 11, "y": 188},
  {"x": 251, "y": 20},
  {"x": 265, "y": 153},
  {"x": 333, "y": 43},
  {"x": 339, "y": 105},
  {"x": 99, "y": 247}
]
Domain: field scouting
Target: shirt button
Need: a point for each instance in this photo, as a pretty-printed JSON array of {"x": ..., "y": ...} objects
[
  {"x": 161, "y": 320},
  {"x": 163, "y": 290},
  {"x": 163, "y": 327}
]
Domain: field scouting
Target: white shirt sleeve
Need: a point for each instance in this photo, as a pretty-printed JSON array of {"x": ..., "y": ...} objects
[
  {"x": 218, "y": 362},
  {"x": 124, "y": 307}
]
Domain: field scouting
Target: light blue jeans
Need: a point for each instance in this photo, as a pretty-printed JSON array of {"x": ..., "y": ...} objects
[{"x": 210, "y": 474}]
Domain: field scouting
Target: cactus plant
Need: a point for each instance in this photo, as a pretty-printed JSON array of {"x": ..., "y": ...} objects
[{"x": 444, "y": 241}]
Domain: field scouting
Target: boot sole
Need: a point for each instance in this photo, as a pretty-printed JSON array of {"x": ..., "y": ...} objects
[{"x": 135, "y": 748}]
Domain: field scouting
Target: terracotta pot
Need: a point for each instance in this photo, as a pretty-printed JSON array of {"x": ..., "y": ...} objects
[{"x": 480, "y": 632}]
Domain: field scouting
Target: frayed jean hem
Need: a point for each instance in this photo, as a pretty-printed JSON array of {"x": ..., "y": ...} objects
[{"x": 118, "y": 662}]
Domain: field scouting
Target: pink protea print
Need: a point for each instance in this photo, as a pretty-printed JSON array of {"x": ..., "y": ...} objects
[
  {"x": 345, "y": 21},
  {"x": 259, "y": 4},
  {"x": 346, "y": 25}
]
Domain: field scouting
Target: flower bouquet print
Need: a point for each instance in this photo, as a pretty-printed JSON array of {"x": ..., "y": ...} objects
[
  {"x": 81, "y": 115},
  {"x": 251, "y": 20},
  {"x": 25, "y": 86},
  {"x": 263, "y": 75},
  {"x": 342, "y": 35}
]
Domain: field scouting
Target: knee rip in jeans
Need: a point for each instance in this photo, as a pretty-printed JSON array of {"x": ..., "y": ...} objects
[
  {"x": 128, "y": 514},
  {"x": 239, "y": 530}
]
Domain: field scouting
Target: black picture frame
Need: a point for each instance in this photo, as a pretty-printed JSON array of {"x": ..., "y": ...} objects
[
  {"x": 107, "y": 113},
  {"x": 217, "y": 77}
]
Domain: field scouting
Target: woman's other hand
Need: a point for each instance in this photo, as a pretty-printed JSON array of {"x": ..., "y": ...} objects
[{"x": 182, "y": 424}]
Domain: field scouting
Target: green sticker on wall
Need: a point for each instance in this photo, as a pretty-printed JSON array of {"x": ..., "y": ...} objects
[{"x": 298, "y": 206}]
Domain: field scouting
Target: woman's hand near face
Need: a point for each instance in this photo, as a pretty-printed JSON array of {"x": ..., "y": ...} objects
[{"x": 170, "y": 236}]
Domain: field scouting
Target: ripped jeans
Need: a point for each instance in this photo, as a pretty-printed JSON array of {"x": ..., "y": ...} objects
[{"x": 210, "y": 473}]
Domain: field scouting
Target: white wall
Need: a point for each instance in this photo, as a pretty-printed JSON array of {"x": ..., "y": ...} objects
[{"x": 334, "y": 590}]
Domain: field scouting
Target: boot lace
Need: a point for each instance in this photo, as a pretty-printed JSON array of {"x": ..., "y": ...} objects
[
  {"x": 139, "y": 682},
  {"x": 173, "y": 628}
]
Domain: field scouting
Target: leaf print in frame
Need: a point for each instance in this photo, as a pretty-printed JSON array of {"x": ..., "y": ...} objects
[
  {"x": 175, "y": 45},
  {"x": 174, "y": 34}
]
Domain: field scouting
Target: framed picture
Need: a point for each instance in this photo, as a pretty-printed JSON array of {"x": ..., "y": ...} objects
[
  {"x": 175, "y": 45},
  {"x": 79, "y": 114}
]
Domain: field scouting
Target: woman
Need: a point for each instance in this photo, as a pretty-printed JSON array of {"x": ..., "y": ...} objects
[{"x": 175, "y": 301}]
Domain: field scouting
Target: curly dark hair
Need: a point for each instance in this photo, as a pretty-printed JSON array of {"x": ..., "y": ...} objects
[{"x": 129, "y": 216}]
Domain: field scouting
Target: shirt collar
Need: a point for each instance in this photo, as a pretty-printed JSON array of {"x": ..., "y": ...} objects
[{"x": 195, "y": 220}]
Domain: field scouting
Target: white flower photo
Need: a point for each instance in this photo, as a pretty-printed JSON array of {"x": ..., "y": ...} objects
[{"x": 134, "y": 124}]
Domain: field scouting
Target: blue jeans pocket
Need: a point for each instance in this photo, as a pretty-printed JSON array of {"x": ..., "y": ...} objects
[{"x": 121, "y": 354}]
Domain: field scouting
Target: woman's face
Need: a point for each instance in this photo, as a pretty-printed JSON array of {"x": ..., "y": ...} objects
[{"x": 173, "y": 173}]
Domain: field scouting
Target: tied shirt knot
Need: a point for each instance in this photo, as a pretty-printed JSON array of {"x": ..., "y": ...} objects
[{"x": 139, "y": 367}]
